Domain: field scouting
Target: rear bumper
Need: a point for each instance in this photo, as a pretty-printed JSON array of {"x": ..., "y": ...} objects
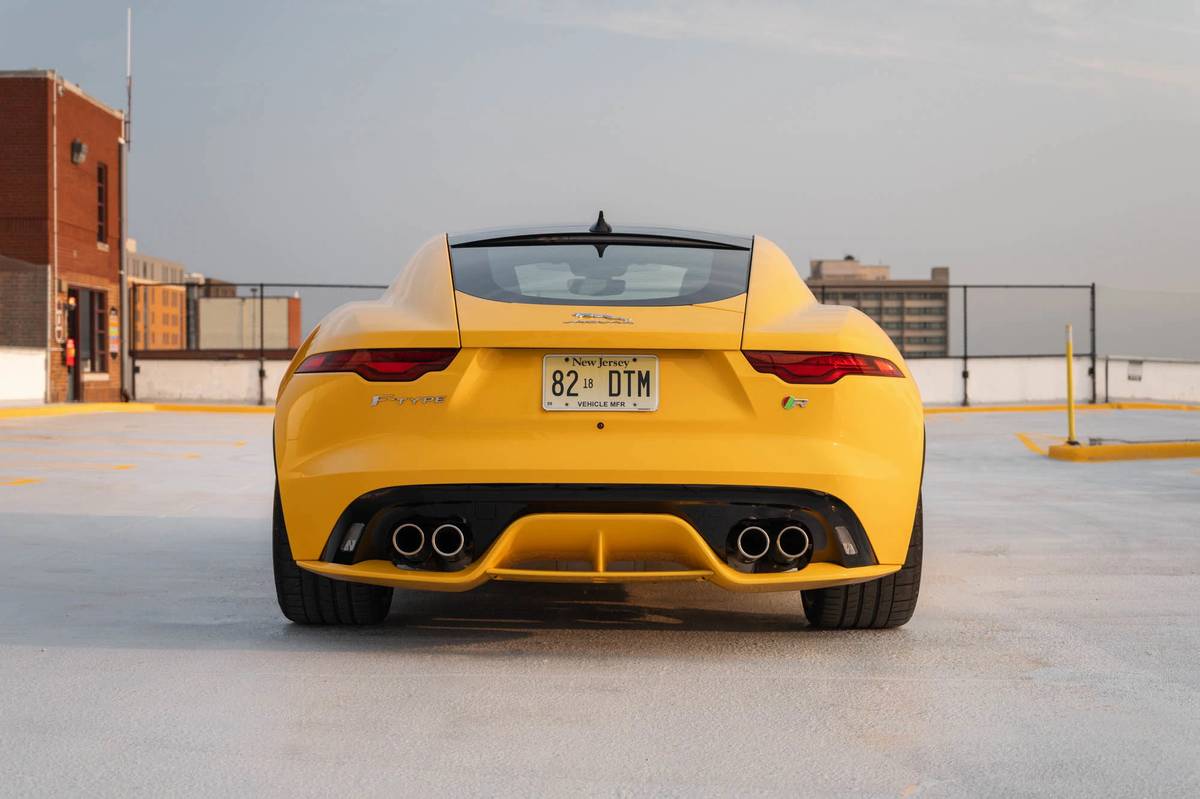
[
  {"x": 720, "y": 424},
  {"x": 604, "y": 540}
]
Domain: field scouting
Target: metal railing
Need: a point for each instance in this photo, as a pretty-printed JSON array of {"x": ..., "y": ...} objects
[
  {"x": 229, "y": 321},
  {"x": 1020, "y": 306},
  {"x": 265, "y": 321}
]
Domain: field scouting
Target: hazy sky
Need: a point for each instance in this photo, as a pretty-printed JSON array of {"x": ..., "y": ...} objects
[{"x": 1014, "y": 141}]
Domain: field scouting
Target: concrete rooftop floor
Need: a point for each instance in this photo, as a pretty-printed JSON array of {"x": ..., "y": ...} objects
[{"x": 1055, "y": 650}]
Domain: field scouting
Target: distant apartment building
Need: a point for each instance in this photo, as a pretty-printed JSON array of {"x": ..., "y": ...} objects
[
  {"x": 157, "y": 301},
  {"x": 913, "y": 312},
  {"x": 238, "y": 323},
  {"x": 60, "y": 212},
  {"x": 212, "y": 287},
  {"x": 174, "y": 309}
]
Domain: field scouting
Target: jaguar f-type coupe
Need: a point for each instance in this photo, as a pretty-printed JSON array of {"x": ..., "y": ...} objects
[{"x": 597, "y": 404}]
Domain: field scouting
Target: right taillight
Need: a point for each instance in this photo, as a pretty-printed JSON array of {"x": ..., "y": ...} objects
[{"x": 819, "y": 367}]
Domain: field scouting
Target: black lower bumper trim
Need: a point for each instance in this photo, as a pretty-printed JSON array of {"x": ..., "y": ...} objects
[{"x": 488, "y": 510}]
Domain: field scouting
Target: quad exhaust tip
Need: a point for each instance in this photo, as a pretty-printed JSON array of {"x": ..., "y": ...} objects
[
  {"x": 752, "y": 543},
  {"x": 408, "y": 540},
  {"x": 792, "y": 543},
  {"x": 449, "y": 541}
]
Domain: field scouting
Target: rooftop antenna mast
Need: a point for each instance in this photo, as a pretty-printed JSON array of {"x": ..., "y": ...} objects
[
  {"x": 126, "y": 318},
  {"x": 128, "y": 77}
]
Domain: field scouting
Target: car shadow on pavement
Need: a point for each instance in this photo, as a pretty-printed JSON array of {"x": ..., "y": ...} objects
[
  {"x": 198, "y": 586},
  {"x": 563, "y": 620},
  {"x": 506, "y": 608}
]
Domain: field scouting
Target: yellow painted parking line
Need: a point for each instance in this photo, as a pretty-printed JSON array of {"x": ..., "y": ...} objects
[
  {"x": 1156, "y": 450},
  {"x": 1155, "y": 406},
  {"x": 175, "y": 408},
  {"x": 71, "y": 437},
  {"x": 75, "y": 408},
  {"x": 72, "y": 466},
  {"x": 1031, "y": 444},
  {"x": 22, "y": 481},
  {"x": 72, "y": 409},
  {"x": 1011, "y": 409},
  {"x": 52, "y": 448},
  {"x": 1100, "y": 406}
]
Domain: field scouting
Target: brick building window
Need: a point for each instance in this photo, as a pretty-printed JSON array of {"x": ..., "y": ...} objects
[{"x": 101, "y": 203}]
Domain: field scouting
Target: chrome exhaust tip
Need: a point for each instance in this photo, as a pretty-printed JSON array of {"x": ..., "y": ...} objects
[
  {"x": 791, "y": 544},
  {"x": 408, "y": 540},
  {"x": 449, "y": 541},
  {"x": 752, "y": 543}
]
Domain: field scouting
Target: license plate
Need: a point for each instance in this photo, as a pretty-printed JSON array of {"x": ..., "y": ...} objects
[{"x": 600, "y": 383}]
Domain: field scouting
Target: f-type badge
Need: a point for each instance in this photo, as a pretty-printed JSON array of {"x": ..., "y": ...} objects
[
  {"x": 433, "y": 399},
  {"x": 584, "y": 318},
  {"x": 794, "y": 402}
]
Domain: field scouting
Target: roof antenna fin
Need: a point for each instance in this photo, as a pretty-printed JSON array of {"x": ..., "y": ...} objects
[{"x": 601, "y": 226}]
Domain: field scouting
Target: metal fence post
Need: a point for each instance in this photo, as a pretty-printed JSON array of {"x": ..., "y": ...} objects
[
  {"x": 131, "y": 337},
  {"x": 965, "y": 370},
  {"x": 262, "y": 367},
  {"x": 1093, "y": 320},
  {"x": 132, "y": 330}
]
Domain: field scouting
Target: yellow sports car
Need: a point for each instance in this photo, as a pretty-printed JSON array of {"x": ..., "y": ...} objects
[{"x": 595, "y": 405}]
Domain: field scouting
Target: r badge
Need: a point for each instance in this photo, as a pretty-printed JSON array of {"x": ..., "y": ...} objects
[{"x": 794, "y": 402}]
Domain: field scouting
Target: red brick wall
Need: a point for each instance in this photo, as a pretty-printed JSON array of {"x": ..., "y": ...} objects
[
  {"x": 31, "y": 109},
  {"x": 24, "y": 177},
  {"x": 78, "y": 250}
]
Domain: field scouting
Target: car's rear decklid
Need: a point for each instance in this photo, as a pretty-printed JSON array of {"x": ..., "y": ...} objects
[{"x": 712, "y": 326}]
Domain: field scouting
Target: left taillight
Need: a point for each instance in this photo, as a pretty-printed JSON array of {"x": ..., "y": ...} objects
[
  {"x": 381, "y": 365},
  {"x": 816, "y": 368}
]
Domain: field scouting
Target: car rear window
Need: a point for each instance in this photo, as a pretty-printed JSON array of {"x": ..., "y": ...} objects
[{"x": 601, "y": 274}]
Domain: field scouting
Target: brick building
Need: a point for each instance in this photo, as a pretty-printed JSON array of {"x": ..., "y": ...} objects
[{"x": 60, "y": 210}]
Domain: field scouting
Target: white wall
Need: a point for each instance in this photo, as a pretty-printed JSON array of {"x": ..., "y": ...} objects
[
  {"x": 1044, "y": 379},
  {"x": 1008, "y": 380},
  {"x": 1165, "y": 380},
  {"x": 939, "y": 380},
  {"x": 172, "y": 380},
  {"x": 992, "y": 380},
  {"x": 22, "y": 374}
]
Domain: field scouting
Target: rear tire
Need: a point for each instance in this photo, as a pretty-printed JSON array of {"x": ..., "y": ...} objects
[
  {"x": 884, "y": 602},
  {"x": 307, "y": 598}
]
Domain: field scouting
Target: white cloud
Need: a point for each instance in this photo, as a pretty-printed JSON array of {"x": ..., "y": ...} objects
[
  {"x": 1161, "y": 74},
  {"x": 1073, "y": 44},
  {"x": 758, "y": 22}
]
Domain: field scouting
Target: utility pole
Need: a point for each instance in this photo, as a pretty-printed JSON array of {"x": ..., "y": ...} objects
[{"x": 127, "y": 366}]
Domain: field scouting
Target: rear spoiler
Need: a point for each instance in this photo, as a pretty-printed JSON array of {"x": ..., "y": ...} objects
[{"x": 638, "y": 237}]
